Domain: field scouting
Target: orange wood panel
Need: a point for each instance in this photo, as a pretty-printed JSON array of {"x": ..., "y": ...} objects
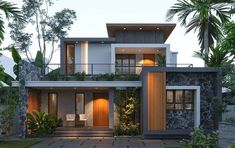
[
  {"x": 33, "y": 102},
  {"x": 149, "y": 59},
  {"x": 101, "y": 110},
  {"x": 156, "y": 101}
]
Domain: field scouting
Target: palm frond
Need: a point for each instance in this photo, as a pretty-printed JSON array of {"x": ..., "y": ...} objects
[{"x": 10, "y": 9}]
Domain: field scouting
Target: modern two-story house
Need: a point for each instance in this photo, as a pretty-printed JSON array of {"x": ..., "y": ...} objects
[{"x": 175, "y": 99}]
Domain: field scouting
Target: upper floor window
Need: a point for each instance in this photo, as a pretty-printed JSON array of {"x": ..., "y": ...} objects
[
  {"x": 180, "y": 100},
  {"x": 125, "y": 63},
  {"x": 70, "y": 61}
]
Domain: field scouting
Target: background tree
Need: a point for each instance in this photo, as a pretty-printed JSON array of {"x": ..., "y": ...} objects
[
  {"x": 49, "y": 29},
  {"x": 204, "y": 16}
]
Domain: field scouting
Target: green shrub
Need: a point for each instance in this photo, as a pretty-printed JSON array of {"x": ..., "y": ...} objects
[
  {"x": 129, "y": 129},
  {"x": 104, "y": 77},
  {"x": 199, "y": 139},
  {"x": 232, "y": 145},
  {"x": 39, "y": 123},
  {"x": 80, "y": 76},
  {"x": 54, "y": 75}
]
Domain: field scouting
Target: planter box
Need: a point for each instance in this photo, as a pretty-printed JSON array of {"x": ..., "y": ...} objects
[{"x": 226, "y": 134}]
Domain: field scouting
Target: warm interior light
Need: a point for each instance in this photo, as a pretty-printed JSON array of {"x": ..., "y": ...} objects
[
  {"x": 124, "y": 28},
  {"x": 158, "y": 28},
  {"x": 140, "y": 28}
]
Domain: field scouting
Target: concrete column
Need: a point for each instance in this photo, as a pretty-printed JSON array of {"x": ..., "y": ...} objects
[
  {"x": 84, "y": 57},
  {"x": 111, "y": 110},
  {"x": 113, "y": 59}
]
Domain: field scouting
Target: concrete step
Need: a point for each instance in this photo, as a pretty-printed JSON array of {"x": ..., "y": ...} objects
[{"x": 83, "y": 132}]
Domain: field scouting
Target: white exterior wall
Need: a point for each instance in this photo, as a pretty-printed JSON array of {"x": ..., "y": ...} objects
[
  {"x": 100, "y": 54},
  {"x": 173, "y": 59},
  {"x": 78, "y": 58}
]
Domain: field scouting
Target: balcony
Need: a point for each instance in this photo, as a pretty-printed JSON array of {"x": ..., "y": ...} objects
[{"x": 96, "y": 72}]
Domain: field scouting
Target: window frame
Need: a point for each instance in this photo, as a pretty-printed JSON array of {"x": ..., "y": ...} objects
[{"x": 183, "y": 101}]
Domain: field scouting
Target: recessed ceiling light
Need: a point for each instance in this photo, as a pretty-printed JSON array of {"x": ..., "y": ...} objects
[
  {"x": 158, "y": 28},
  {"x": 124, "y": 28},
  {"x": 140, "y": 28}
]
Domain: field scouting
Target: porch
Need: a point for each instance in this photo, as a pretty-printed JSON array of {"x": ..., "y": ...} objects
[{"x": 70, "y": 104}]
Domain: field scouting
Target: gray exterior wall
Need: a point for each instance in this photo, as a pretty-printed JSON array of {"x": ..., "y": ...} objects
[
  {"x": 66, "y": 104},
  {"x": 139, "y": 36},
  {"x": 98, "y": 54},
  {"x": 101, "y": 54}
]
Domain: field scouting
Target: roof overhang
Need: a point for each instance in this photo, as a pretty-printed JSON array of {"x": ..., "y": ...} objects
[
  {"x": 93, "y": 40},
  {"x": 165, "y": 28},
  {"x": 67, "y": 84}
]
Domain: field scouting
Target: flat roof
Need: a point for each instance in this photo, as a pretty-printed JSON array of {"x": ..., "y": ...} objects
[
  {"x": 95, "y": 40},
  {"x": 167, "y": 28}
]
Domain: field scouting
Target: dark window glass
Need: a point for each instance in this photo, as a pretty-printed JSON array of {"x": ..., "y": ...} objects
[
  {"x": 125, "y": 63},
  {"x": 179, "y": 99}
]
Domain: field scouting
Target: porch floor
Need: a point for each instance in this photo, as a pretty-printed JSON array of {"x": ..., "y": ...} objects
[{"x": 83, "y": 132}]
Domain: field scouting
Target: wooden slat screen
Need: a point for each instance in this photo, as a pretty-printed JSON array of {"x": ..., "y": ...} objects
[{"x": 156, "y": 101}]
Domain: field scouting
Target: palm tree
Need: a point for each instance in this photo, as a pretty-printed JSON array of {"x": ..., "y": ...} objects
[
  {"x": 10, "y": 10},
  {"x": 204, "y": 16}
]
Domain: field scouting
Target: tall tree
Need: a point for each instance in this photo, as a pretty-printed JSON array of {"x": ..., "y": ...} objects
[
  {"x": 48, "y": 29},
  {"x": 204, "y": 16}
]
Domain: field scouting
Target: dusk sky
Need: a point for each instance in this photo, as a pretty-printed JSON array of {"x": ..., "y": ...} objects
[{"x": 93, "y": 15}]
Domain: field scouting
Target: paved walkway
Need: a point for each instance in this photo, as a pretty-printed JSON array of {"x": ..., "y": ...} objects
[{"x": 106, "y": 143}]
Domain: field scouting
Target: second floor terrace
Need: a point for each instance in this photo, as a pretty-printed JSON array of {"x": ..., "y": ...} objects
[{"x": 98, "y": 71}]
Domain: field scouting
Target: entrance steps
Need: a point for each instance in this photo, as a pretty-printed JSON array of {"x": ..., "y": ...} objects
[{"x": 82, "y": 132}]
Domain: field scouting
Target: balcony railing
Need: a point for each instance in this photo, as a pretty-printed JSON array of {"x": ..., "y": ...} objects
[{"x": 95, "y": 71}]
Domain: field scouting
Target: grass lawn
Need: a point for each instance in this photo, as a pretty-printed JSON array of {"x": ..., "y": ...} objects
[{"x": 18, "y": 144}]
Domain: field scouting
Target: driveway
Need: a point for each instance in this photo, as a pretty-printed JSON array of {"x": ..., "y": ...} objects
[{"x": 106, "y": 143}]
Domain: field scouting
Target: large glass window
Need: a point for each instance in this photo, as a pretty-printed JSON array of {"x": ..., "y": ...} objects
[
  {"x": 125, "y": 63},
  {"x": 52, "y": 104},
  {"x": 70, "y": 52},
  {"x": 179, "y": 99}
]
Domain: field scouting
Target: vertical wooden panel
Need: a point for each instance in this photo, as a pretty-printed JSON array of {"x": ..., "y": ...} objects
[
  {"x": 149, "y": 59},
  {"x": 156, "y": 101},
  {"x": 101, "y": 110},
  {"x": 33, "y": 102}
]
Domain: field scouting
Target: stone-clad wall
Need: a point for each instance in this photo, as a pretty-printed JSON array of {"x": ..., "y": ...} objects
[
  {"x": 180, "y": 120},
  {"x": 27, "y": 72},
  {"x": 209, "y": 89}
]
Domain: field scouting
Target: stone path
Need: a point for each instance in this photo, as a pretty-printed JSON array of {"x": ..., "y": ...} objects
[{"x": 106, "y": 143}]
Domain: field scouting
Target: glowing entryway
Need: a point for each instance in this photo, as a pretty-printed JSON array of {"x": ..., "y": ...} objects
[{"x": 101, "y": 110}]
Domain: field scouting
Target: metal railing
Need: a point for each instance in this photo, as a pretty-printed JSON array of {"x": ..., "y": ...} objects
[{"x": 101, "y": 68}]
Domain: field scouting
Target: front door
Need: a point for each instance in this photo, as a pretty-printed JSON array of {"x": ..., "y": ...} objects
[{"x": 101, "y": 110}]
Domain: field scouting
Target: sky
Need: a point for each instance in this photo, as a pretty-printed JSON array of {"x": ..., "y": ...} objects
[{"x": 92, "y": 16}]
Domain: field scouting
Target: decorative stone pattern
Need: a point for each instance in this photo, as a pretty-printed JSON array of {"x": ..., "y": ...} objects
[
  {"x": 209, "y": 89},
  {"x": 180, "y": 120},
  {"x": 27, "y": 72}
]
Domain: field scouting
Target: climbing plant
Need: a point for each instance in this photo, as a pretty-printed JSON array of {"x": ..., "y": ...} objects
[
  {"x": 127, "y": 103},
  {"x": 9, "y": 102}
]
